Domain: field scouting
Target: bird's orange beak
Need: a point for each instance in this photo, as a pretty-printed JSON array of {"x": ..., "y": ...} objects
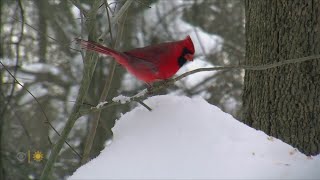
[{"x": 189, "y": 57}]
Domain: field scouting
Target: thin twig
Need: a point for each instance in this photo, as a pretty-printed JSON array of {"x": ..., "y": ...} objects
[
  {"x": 17, "y": 116},
  {"x": 200, "y": 42},
  {"x": 81, "y": 29},
  {"x": 88, "y": 70},
  {"x": 117, "y": 17},
  {"x": 142, "y": 96},
  {"x": 252, "y": 68},
  {"x": 103, "y": 96},
  {"x": 143, "y": 3},
  {"x": 109, "y": 22},
  {"x": 41, "y": 109},
  {"x": 17, "y": 44},
  {"x": 143, "y": 104},
  {"x": 108, "y": 6},
  {"x": 63, "y": 45},
  {"x": 77, "y": 4}
]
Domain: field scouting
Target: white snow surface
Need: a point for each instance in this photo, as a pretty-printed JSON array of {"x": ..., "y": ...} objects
[
  {"x": 183, "y": 138},
  {"x": 121, "y": 98}
]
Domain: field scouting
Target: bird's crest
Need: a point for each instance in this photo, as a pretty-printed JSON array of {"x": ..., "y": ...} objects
[{"x": 189, "y": 44}]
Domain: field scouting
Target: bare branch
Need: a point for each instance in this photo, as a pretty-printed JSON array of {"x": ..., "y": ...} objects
[
  {"x": 89, "y": 67},
  {"x": 41, "y": 109},
  {"x": 103, "y": 96},
  {"x": 20, "y": 121},
  {"x": 109, "y": 22},
  {"x": 63, "y": 45},
  {"x": 77, "y": 4},
  {"x": 143, "y": 3},
  {"x": 17, "y": 44},
  {"x": 144, "y": 105},
  {"x": 118, "y": 16},
  {"x": 252, "y": 68},
  {"x": 145, "y": 93}
]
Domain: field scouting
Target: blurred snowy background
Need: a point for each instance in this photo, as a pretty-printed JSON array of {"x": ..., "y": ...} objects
[{"x": 36, "y": 47}]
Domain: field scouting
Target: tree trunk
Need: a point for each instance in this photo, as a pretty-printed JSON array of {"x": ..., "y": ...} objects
[
  {"x": 42, "y": 27},
  {"x": 2, "y": 103},
  {"x": 284, "y": 102}
]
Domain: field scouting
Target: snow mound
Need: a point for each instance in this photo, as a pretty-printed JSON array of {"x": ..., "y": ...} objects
[{"x": 185, "y": 138}]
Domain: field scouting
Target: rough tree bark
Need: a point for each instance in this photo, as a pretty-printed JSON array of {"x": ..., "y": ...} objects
[{"x": 284, "y": 102}]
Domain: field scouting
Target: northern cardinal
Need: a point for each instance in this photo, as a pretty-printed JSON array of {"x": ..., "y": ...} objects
[{"x": 150, "y": 63}]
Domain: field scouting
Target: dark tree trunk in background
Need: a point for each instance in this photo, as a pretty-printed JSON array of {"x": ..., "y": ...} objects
[
  {"x": 2, "y": 103},
  {"x": 42, "y": 27},
  {"x": 284, "y": 102},
  {"x": 2, "y": 112}
]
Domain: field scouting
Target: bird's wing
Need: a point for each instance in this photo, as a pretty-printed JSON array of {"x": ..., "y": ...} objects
[
  {"x": 153, "y": 53},
  {"x": 143, "y": 65}
]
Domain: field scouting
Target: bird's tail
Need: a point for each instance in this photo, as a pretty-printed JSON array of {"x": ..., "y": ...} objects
[{"x": 93, "y": 46}]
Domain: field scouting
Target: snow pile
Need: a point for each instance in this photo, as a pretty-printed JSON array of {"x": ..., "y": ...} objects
[{"x": 185, "y": 138}]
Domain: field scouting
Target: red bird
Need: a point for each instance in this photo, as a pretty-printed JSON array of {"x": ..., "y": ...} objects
[{"x": 151, "y": 63}]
